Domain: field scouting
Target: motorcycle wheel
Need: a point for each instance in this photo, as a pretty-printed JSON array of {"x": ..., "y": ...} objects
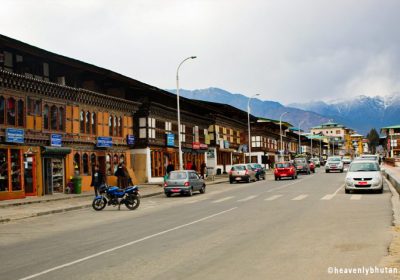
[
  {"x": 132, "y": 202},
  {"x": 99, "y": 203}
]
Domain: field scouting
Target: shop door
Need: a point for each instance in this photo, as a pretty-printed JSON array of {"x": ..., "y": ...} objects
[
  {"x": 54, "y": 176},
  {"x": 102, "y": 164},
  {"x": 30, "y": 175}
]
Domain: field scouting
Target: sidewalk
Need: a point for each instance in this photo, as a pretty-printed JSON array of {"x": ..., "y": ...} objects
[{"x": 28, "y": 207}]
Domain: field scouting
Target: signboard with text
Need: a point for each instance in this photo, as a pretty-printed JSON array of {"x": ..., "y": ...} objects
[
  {"x": 130, "y": 140},
  {"x": 14, "y": 135},
  {"x": 104, "y": 142},
  {"x": 56, "y": 140},
  {"x": 170, "y": 139}
]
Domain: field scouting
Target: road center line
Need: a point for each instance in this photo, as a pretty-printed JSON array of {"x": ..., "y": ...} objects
[
  {"x": 355, "y": 197},
  {"x": 223, "y": 199},
  {"x": 273, "y": 197},
  {"x": 300, "y": 197},
  {"x": 328, "y": 197},
  {"x": 247, "y": 198},
  {"x": 126, "y": 245}
]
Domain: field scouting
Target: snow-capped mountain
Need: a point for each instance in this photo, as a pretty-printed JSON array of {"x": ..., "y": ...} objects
[
  {"x": 361, "y": 113},
  {"x": 267, "y": 109}
]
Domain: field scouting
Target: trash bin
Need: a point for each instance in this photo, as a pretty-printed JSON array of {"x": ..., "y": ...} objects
[{"x": 77, "y": 181}]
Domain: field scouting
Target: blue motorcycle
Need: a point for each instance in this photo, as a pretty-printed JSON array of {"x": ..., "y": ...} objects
[{"x": 110, "y": 195}]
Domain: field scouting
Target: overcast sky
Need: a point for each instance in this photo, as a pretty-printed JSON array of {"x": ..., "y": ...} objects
[{"x": 285, "y": 50}]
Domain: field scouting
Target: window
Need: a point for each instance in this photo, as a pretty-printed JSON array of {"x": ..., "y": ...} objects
[
  {"x": 142, "y": 128},
  {"x": 256, "y": 141},
  {"x": 120, "y": 127},
  {"x": 77, "y": 163},
  {"x": 53, "y": 117},
  {"x": 46, "y": 117},
  {"x": 20, "y": 115},
  {"x": 152, "y": 128},
  {"x": 2, "y": 110},
  {"x": 87, "y": 122},
  {"x": 11, "y": 111},
  {"x": 183, "y": 133},
  {"x": 168, "y": 126},
  {"x": 82, "y": 122},
  {"x": 16, "y": 183},
  {"x": 61, "y": 118},
  {"x": 115, "y": 126},
  {"x": 108, "y": 164},
  {"x": 94, "y": 123},
  {"x": 85, "y": 163},
  {"x": 93, "y": 161},
  {"x": 110, "y": 125}
]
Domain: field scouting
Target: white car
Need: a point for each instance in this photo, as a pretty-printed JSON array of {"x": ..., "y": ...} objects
[
  {"x": 364, "y": 175},
  {"x": 334, "y": 164},
  {"x": 346, "y": 160},
  {"x": 369, "y": 157}
]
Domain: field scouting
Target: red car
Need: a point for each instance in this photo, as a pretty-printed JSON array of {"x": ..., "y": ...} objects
[
  {"x": 312, "y": 166},
  {"x": 285, "y": 169}
]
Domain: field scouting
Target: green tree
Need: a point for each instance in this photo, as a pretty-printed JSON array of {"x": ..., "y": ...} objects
[{"x": 373, "y": 140}]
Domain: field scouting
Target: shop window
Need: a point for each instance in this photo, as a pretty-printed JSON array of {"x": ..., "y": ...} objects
[
  {"x": 53, "y": 117},
  {"x": 2, "y": 109},
  {"x": 16, "y": 183},
  {"x": 93, "y": 161},
  {"x": 77, "y": 163},
  {"x": 3, "y": 170},
  {"x": 20, "y": 116},
  {"x": 93, "y": 121},
  {"x": 122, "y": 159},
  {"x": 11, "y": 111},
  {"x": 61, "y": 119},
  {"x": 46, "y": 117},
  {"x": 85, "y": 163},
  {"x": 115, "y": 163},
  {"x": 108, "y": 165}
]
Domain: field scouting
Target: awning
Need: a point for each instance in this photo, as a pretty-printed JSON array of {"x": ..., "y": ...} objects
[{"x": 56, "y": 151}]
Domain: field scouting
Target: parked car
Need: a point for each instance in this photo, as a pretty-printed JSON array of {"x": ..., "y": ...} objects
[
  {"x": 346, "y": 160},
  {"x": 260, "y": 171},
  {"x": 302, "y": 165},
  {"x": 316, "y": 161},
  {"x": 312, "y": 166},
  {"x": 364, "y": 175},
  {"x": 242, "y": 172},
  {"x": 334, "y": 164},
  {"x": 285, "y": 169},
  {"x": 184, "y": 182}
]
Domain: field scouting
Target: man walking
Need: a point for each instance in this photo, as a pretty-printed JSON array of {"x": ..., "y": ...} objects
[{"x": 97, "y": 179}]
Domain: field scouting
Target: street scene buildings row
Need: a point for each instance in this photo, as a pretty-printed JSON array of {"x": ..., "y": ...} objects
[{"x": 59, "y": 117}]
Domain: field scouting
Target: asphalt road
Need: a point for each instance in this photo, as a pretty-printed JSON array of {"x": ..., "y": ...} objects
[{"x": 263, "y": 230}]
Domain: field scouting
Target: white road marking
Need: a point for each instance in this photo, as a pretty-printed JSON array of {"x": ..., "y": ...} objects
[
  {"x": 223, "y": 199},
  {"x": 328, "y": 197},
  {"x": 247, "y": 198},
  {"x": 194, "y": 201},
  {"x": 300, "y": 197},
  {"x": 273, "y": 197},
  {"x": 355, "y": 197},
  {"x": 125, "y": 245}
]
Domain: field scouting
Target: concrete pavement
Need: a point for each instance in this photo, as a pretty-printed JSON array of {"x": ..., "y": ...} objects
[{"x": 57, "y": 203}]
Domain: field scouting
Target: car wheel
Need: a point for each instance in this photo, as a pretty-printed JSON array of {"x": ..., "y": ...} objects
[
  {"x": 341, "y": 170},
  {"x": 326, "y": 171},
  {"x": 231, "y": 181},
  {"x": 308, "y": 172},
  {"x": 313, "y": 171},
  {"x": 168, "y": 194},
  {"x": 293, "y": 177},
  {"x": 258, "y": 178},
  {"x": 203, "y": 189},
  {"x": 276, "y": 178},
  {"x": 248, "y": 180},
  {"x": 190, "y": 192},
  {"x": 346, "y": 190},
  {"x": 264, "y": 177}
]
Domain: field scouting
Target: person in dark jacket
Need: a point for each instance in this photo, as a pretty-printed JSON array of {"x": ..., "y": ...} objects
[
  {"x": 122, "y": 175},
  {"x": 97, "y": 179}
]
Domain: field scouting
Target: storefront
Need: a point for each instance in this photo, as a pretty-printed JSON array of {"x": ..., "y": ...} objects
[{"x": 54, "y": 171}]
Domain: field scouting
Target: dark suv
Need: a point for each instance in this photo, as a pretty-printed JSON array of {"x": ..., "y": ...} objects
[
  {"x": 260, "y": 171},
  {"x": 302, "y": 165}
]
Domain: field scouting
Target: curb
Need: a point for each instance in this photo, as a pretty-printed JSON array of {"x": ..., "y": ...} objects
[{"x": 394, "y": 187}]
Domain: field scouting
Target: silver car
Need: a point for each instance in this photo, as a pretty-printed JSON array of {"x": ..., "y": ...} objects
[
  {"x": 184, "y": 182},
  {"x": 242, "y": 172},
  {"x": 364, "y": 175},
  {"x": 334, "y": 164}
]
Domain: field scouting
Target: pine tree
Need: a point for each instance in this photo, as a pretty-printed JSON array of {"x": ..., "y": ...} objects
[{"x": 373, "y": 140}]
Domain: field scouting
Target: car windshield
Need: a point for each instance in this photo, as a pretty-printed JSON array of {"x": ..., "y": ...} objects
[
  {"x": 282, "y": 165},
  {"x": 257, "y": 165},
  {"x": 238, "y": 168},
  {"x": 177, "y": 175},
  {"x": 299, "y": 160},
  {"x": 333, "y": 159},
  {"x": 363, "y": 166}
]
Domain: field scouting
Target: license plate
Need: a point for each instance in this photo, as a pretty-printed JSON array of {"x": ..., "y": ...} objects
[
  {"x": 333, "y": 167},
  {"x": 283, "y": 175},
  {"x": 362, "y": 183},
  {"x": 238, "y": 178},
  {"x": 299, "y": 167},
  {"x": 176, "y": 190}
]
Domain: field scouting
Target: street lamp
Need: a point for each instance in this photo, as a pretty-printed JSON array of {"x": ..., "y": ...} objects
[
  {"x": 179, "y": 112},
  {"x": 300, "y": 123},
  {"x": 280, "y": 131},
  {"x": 248, "y": 122}
]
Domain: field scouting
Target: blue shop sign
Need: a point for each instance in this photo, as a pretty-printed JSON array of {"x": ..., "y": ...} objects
[
  {"x": 130, "y": 140},
  {"x": 104, "y": 142},
  {"x": 226, "y": 144},
  {"x": 14, "y": 135},
  {"x": 170, "y": 140},
  {"x": 56, "y": 140}
]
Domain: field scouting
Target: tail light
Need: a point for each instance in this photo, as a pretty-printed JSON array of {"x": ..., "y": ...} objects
[
  {"x": 186, "y": 184},
  {"x": 247, "y": 172},
  {"x": 165, "y": 185},
  {"x": 230, "y": 172}
]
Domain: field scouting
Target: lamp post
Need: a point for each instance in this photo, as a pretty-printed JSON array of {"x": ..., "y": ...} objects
[
  {"x": 179, "y": 112},
  {"x": 248, "y": 123},
  {"x": 300, "y": 123},
  {"x": 280, "y": 132}
]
